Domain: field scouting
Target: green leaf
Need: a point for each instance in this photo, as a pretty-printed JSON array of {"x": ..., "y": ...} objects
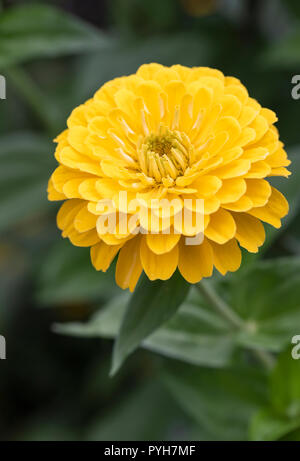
[
  {"x": 35, "y": 31},
  {"x": 26, "y": 164},
  {"x": 285, "y": 385},
  {"x": 267, "y": 425},
  {"x": 67, "y": 275},
  {"x": 266, "y": 295},
  {"x": 194, "y": 334},
  {"x": 151, "y": 305},
  {"x": 282, "y": 416},
  {"x": 221, "y": 401}
]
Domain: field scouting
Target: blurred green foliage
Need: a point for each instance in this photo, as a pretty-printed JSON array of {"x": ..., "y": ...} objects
[{"x": 194, "y": 377}]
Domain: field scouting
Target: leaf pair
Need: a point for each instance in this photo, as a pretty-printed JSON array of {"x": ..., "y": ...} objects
[{"x": 264, "y": 295}]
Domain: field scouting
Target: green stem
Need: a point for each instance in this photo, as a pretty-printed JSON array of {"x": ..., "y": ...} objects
[
  {"x": 232, "y": 318},
  {"x": 219, "y": 305},
  {"x": 32, "y": 94},
  {"x": 265, "y": 357}
]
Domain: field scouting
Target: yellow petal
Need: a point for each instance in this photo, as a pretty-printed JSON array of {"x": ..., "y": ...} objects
[
  {"x": 197, "y": 72},
  {"x": 71, "y": 188},
  {"x": 53, "y": 194},
  {"x": 168, "y": 206},
  {"x": 276, "y": 208},
  {"x": 227, "y": 257},
  {"x": 214, "y": 83},
  {"x": 72, "y": 159},
  {"x": 84, "y": 220},
  {"x": 231, "y": 106},
  {"x": 111, "y": 239},
  {"x": 175, "y": 91},
  {"x": 129, "y": 267},
  {"x": 77, "y": 138},
  {"x": 150, "y": 91},
  {"x": 84, "y": 239},
  {"x": 165, "y": 75},
  {"x": 125, "y": 101},
  {"x": 153, "y": 223},
  {"x": 195, "y": 261},
  {"x": 259, "y": 191},
  {"x": 231, "y": 126},
  {"x": 218, "y": 142},
  {"x": 280, "y": 172},
  {"x": 94, "y": 108},
  {"x": 236, "y": 168},
  {"x": 77, "y": 117},
  {"x": 186, "y": 108},
  {"x": 88, "y": 191},
  {"x": 278, "y": 159},
  {"x": 231, "y": 190},
  {"x": 158, "y": 266},
  {"x": 221, "y": 227},
  {"x": 261, "y": 126},
  {"x": 248, "y": 136},
  {"x": 67, "y": 212},
  {"x": 255, "y": 154},
  {"x": 107, "y": 187},
  {"x": 102, "y": 255},
  {"x": 191, "y": 222},
  {"x": 242, "y": 204},
  {"x": 250, "y": 232},
  {"x": 247, "y": 116},
  {"x": 183, "y": 71},
  {"x": 162, "y": 243},
  {"x": 259, "y": 169},
  {"x": 147, "y": 71},
  {"x": 99, "y": 126},
  {"x": 211, "y": 205},
  {"x": 64, "y": 174},
  {"x": 231, "y": 154},
  {"x": 207, "y": 185},
  {"x": 237, "y": 90},
  {"x": 269, "y": 140},
  {"x": 116, "y": 171},
  {"x": 118, "y": 225}
]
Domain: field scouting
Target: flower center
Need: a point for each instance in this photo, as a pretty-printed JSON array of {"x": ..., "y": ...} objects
[{"x": 165, "y": 155}]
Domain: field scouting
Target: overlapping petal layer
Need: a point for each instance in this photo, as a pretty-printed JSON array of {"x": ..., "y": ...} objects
[{"x": 166, "y": 136}]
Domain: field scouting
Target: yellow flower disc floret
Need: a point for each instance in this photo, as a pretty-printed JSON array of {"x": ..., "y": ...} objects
[{"x": 177, "y": 134}]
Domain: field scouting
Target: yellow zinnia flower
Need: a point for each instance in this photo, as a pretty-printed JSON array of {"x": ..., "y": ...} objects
[{"x": 169, "y": 133}]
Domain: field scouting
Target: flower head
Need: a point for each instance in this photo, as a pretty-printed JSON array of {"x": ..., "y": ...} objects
[{"x": 179, "y": 136}]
